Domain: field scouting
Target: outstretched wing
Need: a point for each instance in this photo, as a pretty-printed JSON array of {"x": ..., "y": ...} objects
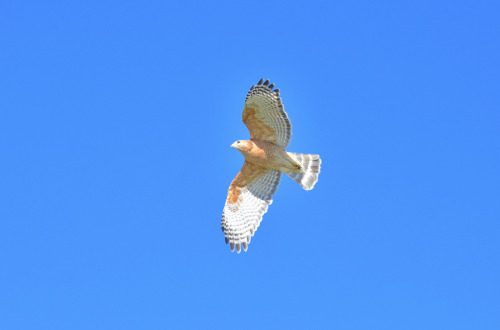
[
  {"x": 264, "y": 115},
  {"x": 249, "y": 195}
]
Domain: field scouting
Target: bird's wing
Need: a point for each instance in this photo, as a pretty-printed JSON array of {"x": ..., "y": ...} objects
[
  {"x": 264, "y": 115},
  {"x": 249, "y": 195}
]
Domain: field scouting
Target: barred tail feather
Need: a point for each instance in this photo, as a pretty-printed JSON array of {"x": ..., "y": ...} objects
[{"x": 311, "y": 166}]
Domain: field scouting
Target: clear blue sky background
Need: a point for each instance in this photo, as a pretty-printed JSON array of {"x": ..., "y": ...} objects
[{"x": 115, "y": 125}]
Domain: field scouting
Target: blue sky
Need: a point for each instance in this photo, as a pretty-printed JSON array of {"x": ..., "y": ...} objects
[{"x": 115, "y": 125}]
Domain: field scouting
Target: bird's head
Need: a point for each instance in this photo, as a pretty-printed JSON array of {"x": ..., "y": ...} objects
[{"x": 241, "y": 145}]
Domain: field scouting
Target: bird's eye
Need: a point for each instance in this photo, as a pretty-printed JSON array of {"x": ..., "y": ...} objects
[{"x": 237, "y": 142}]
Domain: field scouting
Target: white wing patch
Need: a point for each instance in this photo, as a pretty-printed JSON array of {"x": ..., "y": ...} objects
[
  {"x": 241, "y": 219},
  {"x": 265, "y": 116}
]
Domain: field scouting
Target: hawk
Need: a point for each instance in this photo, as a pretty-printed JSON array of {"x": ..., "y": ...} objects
[{"x": 252, "y": 190}]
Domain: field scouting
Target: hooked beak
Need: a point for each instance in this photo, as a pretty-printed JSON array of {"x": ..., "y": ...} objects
[{"x": 234, "y": 145}]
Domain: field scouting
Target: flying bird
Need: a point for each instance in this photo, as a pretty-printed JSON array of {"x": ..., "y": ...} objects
[{"x": 252, "y": 190}]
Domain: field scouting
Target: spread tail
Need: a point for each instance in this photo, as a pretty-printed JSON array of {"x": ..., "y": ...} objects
[{"x": 310, "y": 168}]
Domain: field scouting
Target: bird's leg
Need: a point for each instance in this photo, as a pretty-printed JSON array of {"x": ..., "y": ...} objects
[{"x": 295, "y": 164}]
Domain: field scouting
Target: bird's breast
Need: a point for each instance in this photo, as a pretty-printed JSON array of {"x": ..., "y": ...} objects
[{"x": 266, "y": 154}]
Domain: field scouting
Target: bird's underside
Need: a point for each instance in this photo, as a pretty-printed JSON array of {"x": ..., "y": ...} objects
[{"x": 266, "y": 158}]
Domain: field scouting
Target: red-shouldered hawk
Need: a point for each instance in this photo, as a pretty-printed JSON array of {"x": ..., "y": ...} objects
[{"x": 252, "y": 190}]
